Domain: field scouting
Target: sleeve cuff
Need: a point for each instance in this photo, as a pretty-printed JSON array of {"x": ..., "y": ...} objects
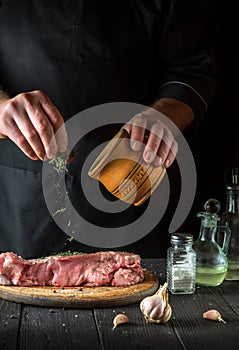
[{"x": 185, "y": 93}]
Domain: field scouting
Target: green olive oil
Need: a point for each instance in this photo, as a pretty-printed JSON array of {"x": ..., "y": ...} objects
[
  {"x": 232, "y": 271},
  {"x": 210, "y": 276}
]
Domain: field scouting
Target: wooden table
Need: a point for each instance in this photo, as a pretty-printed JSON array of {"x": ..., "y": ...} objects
[{"x": 30, "y": 327}]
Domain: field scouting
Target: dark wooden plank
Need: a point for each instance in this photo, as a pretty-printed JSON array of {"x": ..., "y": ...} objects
[
  {"x": 44, "y": 328},
  {"x": 198, "y": 333},
  {"x": 229, "y": 292},
  {"x": 156, "y": 266},
  {"x": 135, "y": 335},
  {"x": 9, "y": 324}
]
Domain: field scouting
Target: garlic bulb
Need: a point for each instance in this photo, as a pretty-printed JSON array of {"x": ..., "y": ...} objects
[
  {"x": 213, "y": 315},
  {"x": 120, "y": 319},
  {"x": 156, "y": 308}
]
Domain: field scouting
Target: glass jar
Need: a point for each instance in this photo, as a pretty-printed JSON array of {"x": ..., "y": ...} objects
[
  {"x": 230, "y": 218},
  {"x": 181, "y": 264}
]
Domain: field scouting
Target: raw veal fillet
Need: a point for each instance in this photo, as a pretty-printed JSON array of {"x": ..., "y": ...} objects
[{"x": 96, "y": 269}]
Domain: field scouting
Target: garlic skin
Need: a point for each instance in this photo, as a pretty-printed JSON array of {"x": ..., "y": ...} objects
[
  {"x": 120, "y": 319},
  {"x": 213, "y": 315},
  {"x": 156, "y": 308}
]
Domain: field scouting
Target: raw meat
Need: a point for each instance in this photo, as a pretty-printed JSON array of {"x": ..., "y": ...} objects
[{"x": 96, "y": 269}]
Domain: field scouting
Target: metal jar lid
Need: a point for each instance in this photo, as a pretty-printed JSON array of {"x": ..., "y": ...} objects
[{"x": 183, "y": 238}]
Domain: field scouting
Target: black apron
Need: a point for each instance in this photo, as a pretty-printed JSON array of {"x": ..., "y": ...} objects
[{"x": 81, "y": 54}]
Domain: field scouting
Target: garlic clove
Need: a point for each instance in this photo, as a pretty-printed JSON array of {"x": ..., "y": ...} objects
[
  {"x": 167, "y": 314},
  {"x": 120, "y": 319},
  {"x": 213, "y": 315}
]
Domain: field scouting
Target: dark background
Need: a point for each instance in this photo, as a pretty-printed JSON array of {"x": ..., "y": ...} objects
[
  {"x": 217, "y": 146},
  {"x": 215, "y": 141}
]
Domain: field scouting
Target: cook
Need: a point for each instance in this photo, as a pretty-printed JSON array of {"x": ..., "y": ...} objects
[{"x": 59, "y": 58}]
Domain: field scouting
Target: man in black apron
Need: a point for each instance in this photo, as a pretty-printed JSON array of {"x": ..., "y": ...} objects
[{"x": 58, "y": 58}]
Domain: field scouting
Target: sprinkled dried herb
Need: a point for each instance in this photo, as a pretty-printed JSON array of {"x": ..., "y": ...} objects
[
  {"x": 59, "y": 211},
  {"x": 67, "y": 253},
  {"x": 59, "y": 162}
]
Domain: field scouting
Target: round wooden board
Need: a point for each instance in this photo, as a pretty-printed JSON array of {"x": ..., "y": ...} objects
[{"x": 83, "y": 297}]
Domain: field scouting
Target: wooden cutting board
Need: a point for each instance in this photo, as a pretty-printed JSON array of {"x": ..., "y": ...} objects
[{"x": 83, "y": 297}]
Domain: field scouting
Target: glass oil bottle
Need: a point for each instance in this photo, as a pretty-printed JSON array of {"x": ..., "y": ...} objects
[
  {"x": 230, "y": 218},
  {"x": 211, "y": 258}
]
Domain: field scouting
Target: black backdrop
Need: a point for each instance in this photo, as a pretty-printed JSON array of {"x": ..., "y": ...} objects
[{"x": 217, "y": 147}]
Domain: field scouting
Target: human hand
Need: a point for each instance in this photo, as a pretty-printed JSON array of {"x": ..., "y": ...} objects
[
  {"x": 147, "y": 129},
  {"x": 31, "y": 120}
]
